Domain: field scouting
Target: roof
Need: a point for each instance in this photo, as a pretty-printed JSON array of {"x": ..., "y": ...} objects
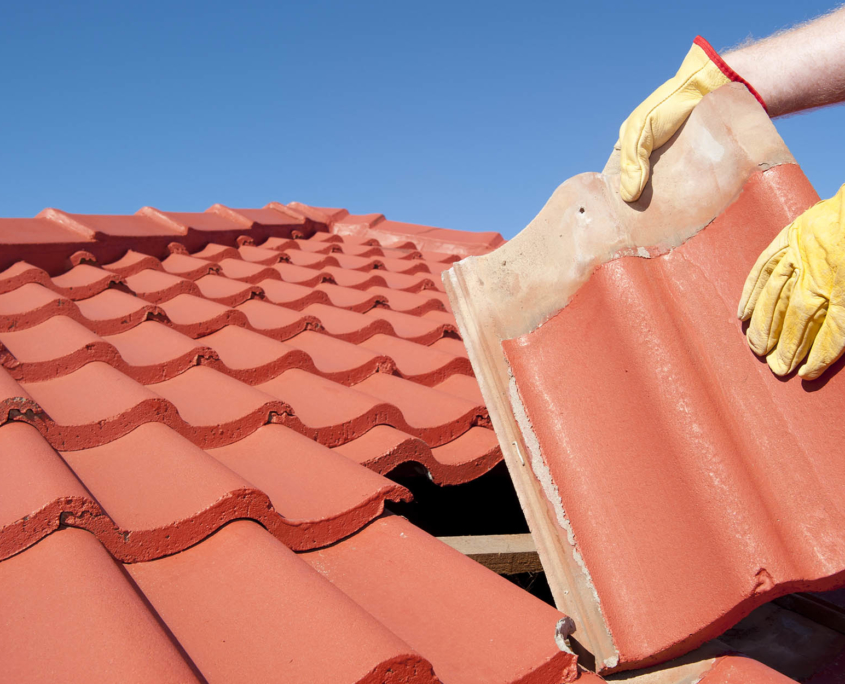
[
  {"x": 672, "y": 482},
  {"x": 197, "y": 410}
]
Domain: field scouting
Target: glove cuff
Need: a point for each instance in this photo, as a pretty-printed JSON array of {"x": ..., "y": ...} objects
[{"x": 726, "y": 70}]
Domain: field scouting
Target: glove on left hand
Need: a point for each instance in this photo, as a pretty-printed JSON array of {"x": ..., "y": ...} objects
[{"x": 795, "y": 294}]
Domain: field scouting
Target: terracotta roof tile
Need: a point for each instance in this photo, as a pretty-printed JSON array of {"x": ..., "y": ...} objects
[
  {"x": 415, "y": 362},
  {"x": 245, "y": 609},
  {"x": 133, "y": 262},
  {"x": 154, "y": 352},
  {"x": 67, "y": 580},
  {"x": 113, "y": 311},
  {"x": 177, "y": 405},
  {"x": 415, "y": 304},
  {"x": 227, "y": 291},
  {"x": 674, "y": 483},
  {"x": 252, "y": 357},
  {"x": 351, "y": 299},
  {"x": 258, "y": 255},
  {"x": 216, "y": 253},
  {"x": 292, "y": 296},
  {"x": 216, "y": 409},
  {"x": 38, "y": 489},
  {"x": 83, "y": 281},
  {"x": 501, "y": 627},
  {"x": 58, "y": 346},
  {"x": 301, "y": 275},
  {"x": 342, "y": 361},
  {"x": 157, "y": 286},
  {"x": 274, "y": 321},
  {"x": 247, "y": 272},
  {"x": 469, "y": 456},
  {"x": 32, "y": 304},
  {"x": 420, "y": 329},
  {"x": 196, "y": 316},
  {"x": 344, "y": 324}
]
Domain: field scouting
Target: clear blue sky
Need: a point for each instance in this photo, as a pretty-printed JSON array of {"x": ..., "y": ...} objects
[{"x": 456, "y": 114}]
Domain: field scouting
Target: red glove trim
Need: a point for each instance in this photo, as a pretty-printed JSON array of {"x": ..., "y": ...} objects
[{"x": 726, "y": 70}]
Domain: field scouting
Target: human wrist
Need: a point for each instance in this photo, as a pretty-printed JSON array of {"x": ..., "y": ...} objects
[{"x": 731, "y": 65}]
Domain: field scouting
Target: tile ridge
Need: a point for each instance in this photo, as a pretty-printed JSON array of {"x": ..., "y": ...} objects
[
  {"x": 66, "y": 221},
  {"x": 230, "y": 214},
  {"x": 160, "y": 217}
]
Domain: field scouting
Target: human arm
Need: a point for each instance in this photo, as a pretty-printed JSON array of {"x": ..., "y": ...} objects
[{"x": 798, "y": 69}]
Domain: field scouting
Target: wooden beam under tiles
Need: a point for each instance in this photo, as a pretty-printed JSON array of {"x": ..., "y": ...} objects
[{"x": 504, "y": 554}]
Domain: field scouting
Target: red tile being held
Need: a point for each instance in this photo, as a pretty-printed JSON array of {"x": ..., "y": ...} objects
[
  {"x": 752, "y": 434},
  {"x": 672, "y": 481}
]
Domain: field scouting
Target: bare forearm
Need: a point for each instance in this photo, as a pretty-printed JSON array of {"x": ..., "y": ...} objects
[{"x": 799, "y": 69}]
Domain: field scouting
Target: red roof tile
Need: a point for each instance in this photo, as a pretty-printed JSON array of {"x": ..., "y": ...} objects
[
  {"x": 67, "y": 608},
  {"x": 176, "y": 403},
  {"x": 673, "y": 483},
  {"x": 736, "y": 443}
]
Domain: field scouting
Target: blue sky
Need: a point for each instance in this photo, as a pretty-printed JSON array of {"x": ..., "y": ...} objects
[{"x": 457, "y": 114}]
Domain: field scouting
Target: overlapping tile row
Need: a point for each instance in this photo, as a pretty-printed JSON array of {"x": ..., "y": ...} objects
[
  {"x": 99, "y": 372},
  {"x": 198, "y": 415},
  {"x": 389, "y": 605},
  {"x": 711, "y": 467},
  {"x": 231, "y": 309}
]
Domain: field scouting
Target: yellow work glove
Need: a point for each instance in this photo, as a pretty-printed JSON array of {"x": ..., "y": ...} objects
[
  {"x": 662, "y": 113},
  {"x": 795, "y": 294}
]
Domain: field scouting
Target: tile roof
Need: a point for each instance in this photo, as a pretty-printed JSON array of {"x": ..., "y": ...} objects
[
  {"x": 672, "y": 482},
  {"x": 189, "y": 401}
]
